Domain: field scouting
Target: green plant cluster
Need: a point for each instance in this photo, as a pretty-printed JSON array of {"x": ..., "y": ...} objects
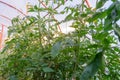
[{"x": 36, "y": 50}]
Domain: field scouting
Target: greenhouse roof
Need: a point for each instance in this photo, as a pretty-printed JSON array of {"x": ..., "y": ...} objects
[{"x": 13, "y": 8}]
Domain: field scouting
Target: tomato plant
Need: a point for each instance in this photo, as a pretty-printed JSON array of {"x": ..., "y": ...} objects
[{"x": 36, "y": 50}]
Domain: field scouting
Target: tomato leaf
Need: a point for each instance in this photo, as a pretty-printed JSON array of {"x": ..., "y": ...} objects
[
  {"x": 92, "y": 67},
  {"x": 56, "y": 49},
  {"x": 47, "y": 69}
]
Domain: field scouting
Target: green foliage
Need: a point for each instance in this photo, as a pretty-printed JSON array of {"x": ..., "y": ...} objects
[
  {"x": 56, "y": 49},
  {"x": 92, "y": 67},
  {"x": 101, "y": 3},
  {"x": 36, "y": 50}
]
